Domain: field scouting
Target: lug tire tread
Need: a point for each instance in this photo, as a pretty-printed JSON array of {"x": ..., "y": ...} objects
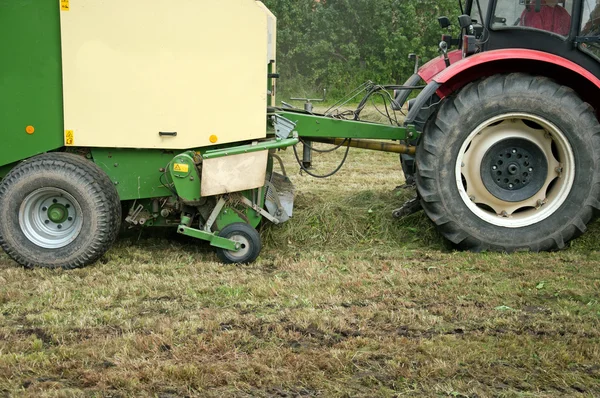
[{"x": 435, "y": 142}]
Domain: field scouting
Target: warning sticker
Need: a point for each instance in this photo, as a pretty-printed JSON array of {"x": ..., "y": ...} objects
[
  {"x": 69, "y": 137},
  {"x": 64, "y": 5},
  {"x": 181, "y": 167}
]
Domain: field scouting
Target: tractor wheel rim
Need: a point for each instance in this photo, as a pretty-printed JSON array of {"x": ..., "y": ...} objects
[
  {"x": 507, "y": 204},
  {"x": 244, "y": 246},
  {"x": 50, "y": 218}
]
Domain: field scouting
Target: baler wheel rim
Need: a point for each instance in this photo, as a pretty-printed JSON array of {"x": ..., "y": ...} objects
[{"x": 37, "y": 223}]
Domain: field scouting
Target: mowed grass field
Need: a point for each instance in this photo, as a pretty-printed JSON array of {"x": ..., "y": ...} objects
[{"x": 344, "y": 301}]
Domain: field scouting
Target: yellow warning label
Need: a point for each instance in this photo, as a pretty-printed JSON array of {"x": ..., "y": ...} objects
[
  {"x": 64, "y": 5},
  {"x": 181, "y": 167},
  {"x": 69, "y": 137}
]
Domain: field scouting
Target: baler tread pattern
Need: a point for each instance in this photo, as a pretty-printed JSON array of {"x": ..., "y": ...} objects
[{"x": 100, "y": 187}]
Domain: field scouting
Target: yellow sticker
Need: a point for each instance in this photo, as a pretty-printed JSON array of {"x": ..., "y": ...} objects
[
  {"x": 64, "y": 5},
  {"x": 181, "y": 167},
  {"x": 69, "y": 137}
]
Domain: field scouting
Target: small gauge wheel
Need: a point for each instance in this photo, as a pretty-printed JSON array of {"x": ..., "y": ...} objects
[{"x": 247, "y": 237}]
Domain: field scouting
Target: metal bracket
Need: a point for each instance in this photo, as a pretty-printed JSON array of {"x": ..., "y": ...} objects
[
  {"x": 259, "y": 210},
  {"x": 133, "y": 214},
  {"x": 283, "y": 126},
  {"x": 214, "y": 240},
  {"x": 215, "y": 213},
  {"x": 587, "y": 39},
  {"x": 410, "y": 207}
]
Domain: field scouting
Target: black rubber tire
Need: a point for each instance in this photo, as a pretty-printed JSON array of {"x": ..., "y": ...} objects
[
  {"x": 88, "y": 185},
  {"x": 407, "y": 162},
  {"x": 252, "y": 244},
  {"x": 478, "y": 102}
]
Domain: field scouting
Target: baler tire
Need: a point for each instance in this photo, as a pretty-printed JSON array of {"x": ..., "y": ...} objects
[
  {"x": 247, "y": 236},
  {"x": 90, "y": 201},
  {"x": 473, "y": 127}
]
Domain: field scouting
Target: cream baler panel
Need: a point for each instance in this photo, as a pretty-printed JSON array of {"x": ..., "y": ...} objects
[
  {"x": 132, "y": 68},
  {"x": 272, "y": 33}
]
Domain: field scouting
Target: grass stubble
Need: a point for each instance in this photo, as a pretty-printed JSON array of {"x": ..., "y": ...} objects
[{"x": 344, "y": 301}]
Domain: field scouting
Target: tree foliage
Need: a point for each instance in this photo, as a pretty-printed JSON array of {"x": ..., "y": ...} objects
[{"x": 340, "y": 44}]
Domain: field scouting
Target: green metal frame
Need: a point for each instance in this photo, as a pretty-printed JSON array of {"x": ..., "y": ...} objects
[
  {"x": 309, "y": 125},
  {"x": 214, "y": 239},
  {"x": 249, "y": 148}
]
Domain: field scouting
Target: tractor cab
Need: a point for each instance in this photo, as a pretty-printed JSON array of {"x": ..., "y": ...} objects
[{"x": 566, "y": 28}]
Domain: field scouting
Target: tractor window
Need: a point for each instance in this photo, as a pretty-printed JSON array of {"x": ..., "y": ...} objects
[
  {"x": 475, "y": 8},
  {"x": 591, "y": 26},
  {"x": 549, "y": 15}
]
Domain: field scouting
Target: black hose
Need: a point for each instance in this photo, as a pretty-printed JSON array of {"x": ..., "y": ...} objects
[{"x": 326, "y": 175}]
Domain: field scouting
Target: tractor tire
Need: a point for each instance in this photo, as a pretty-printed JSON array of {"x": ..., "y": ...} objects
[
  {"x": 511, "y": 163},
  {"x": 249, "y": 239},
  {"x": 407, "y": 162},
  {"x": 58, "y": 210}
]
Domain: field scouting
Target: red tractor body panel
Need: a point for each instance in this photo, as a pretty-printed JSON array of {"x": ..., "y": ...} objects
[
  {"x": 469, "y": 69},
  {"x": 437, "y": 65}
]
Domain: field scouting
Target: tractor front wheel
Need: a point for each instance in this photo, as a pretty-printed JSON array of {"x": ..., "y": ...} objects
[
  {"x": 58, "y": 210},
  {"x": 511, "y": 163}
]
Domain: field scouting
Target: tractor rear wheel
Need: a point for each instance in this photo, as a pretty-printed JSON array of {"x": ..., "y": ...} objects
[
  {"x": 58, "y": 210},
  {"x": 511, "y": 163}
]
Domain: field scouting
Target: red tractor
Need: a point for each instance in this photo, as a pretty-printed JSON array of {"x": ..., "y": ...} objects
[{"x": 509, "y": 153}]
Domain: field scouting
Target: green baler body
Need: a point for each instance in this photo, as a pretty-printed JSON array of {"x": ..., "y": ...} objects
[{"x": 31, "y": 79}]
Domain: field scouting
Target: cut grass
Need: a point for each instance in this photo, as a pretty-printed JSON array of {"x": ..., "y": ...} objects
[{"x": 344, "y": 301}]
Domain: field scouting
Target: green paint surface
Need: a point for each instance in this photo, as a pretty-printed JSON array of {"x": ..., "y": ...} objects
[
  {"x": 248, "y": 148},
  {"x": 320, "y": 126},
  {"x": 214, "y": 239},
  {"x": 30, "y": 78},
  {"x": 185, "y": 177},
  {"x": 233, "y": 214},
  {"x": 136, "y": 173}
]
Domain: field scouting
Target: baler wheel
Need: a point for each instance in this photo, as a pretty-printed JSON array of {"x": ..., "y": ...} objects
[
  {"x": 511, "y": 163},
  {"x": 247, "y": 237},
  {"x": 58, "y": 210}
]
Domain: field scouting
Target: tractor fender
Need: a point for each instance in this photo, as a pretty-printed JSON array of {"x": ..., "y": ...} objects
[{"x": 488, "y": 63}]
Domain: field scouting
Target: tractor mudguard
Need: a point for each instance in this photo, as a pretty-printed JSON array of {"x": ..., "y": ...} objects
[
  {"x": 423, "y": 97},
  {"x": 539, "y": 63},
  {"x": 464, "y": 71},
  {"x": 402, "y": 95},
  {"x": 432, "y": 68}
]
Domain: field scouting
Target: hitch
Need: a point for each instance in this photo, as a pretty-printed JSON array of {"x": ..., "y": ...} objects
[{"x": 306, "y": 146}]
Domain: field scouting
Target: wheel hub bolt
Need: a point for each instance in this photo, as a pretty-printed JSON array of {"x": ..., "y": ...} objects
[
  {"x": 510, "y": 185},
  {"x": 530, "y": 169},
  {"x": 494, "y": 167},
  {"x": 59, "y": 226}
]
